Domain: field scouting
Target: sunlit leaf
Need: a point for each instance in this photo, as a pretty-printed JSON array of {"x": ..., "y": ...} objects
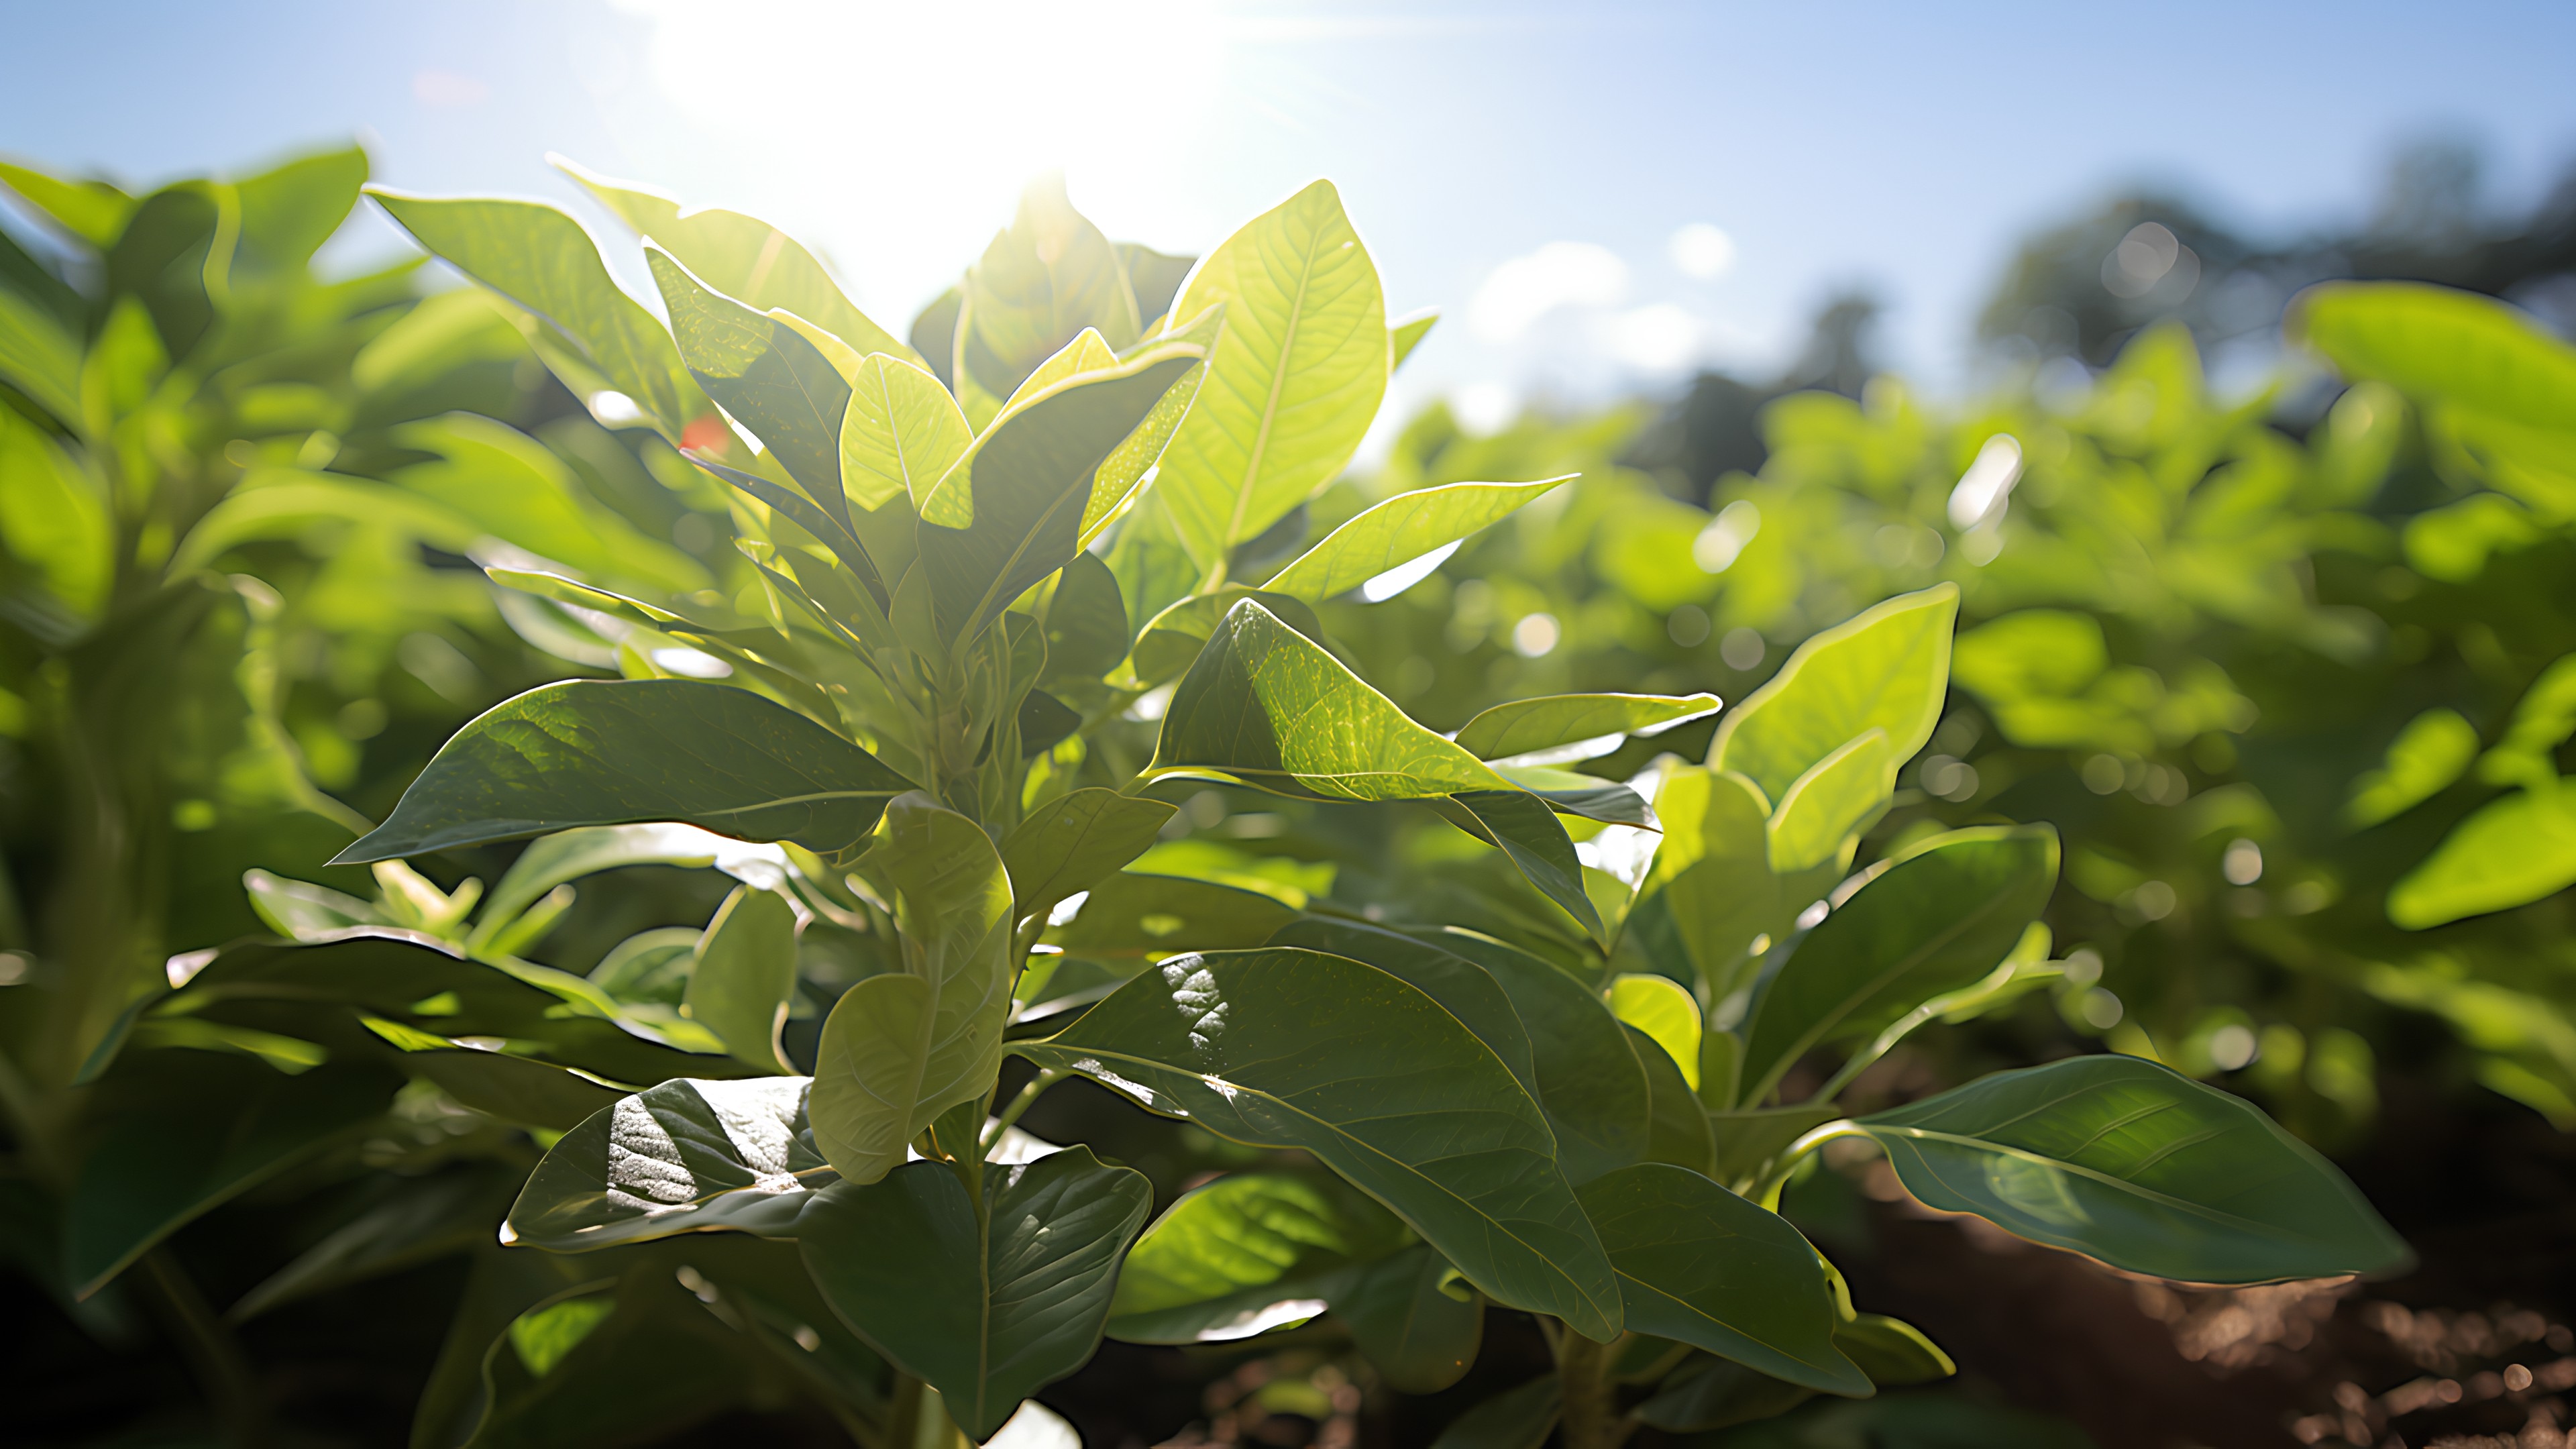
[
  {"x": 1527, "y": 730},
  {"x": 1886, "y": 668},
  {"x": 1245, "y": 1254},
  {"x": 744, "y": 975},
  {"x": 1397, "y": 531},
  {"x": 685, "y": 1156}
]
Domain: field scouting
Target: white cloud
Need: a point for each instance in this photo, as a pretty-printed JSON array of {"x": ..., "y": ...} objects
[
  {"x": 1526, "y": 288},
  {"x": 1657, "y": 338},
  {"x": 1702, "y": 252},
  {"x": 1484, "y": 407}
]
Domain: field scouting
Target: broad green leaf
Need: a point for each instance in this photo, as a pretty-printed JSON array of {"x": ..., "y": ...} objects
[
  {"x": 93, "y": 211},
  {"x": 602, "y": 753},
  {"x": 1398, "y": 531},
  {"x": 1378, "y": 1082},
  {"x": 1552, "y": 728},
  {"x": 503, "y": 1084},
  {"x": 572, "y": 854},
  {"x": 541, "y": 259},
  {"x": 2134, "y": 1164},
  {"x": 1677, "y": 1130},
  {"x": 510, "y": 486},
  {"x": 1714, "y": 870},
  {"x": 1086, "y": 622},
  {"x": 1934, "y": 920},
  {"x": 39, "y": 357},
  {"x": 1041, "y": 478},
  {"x": 1414, "y": 1321},
  {"x": 686, "y": 1156},
  {"x": 1153, "y": 571},
  {"x": 1141, "y": 917},
  {"x": 1715, "y": 1393},
  {"x": 2442, "y": 344},
  {"x": 1888, "y": 667},
  {"x": 1701, "y": 1266},
  {"x": 1589, "y": 1081},
  {"x": 901, "y": 434},
  {"x": 1154, "y": 277},
  {"x": 1268, "y": 706},
  {"x": 1466, "y": 990},
  {"x": 1749, "y": 1140},
  {"x": 989, "y": 1305},
  {"x": 2543, "y": 719},
  {"x": 1659, "y": 1007},
  {"x": 1525, "y": 829},
  {"x": 899, "y": 1049},
  {"x": 1839, "y": 796},
  {"x": 1406, "y": 333},
  {"x": 52, "y": 520},
  {"x": 740, "y": 256},
  {"x": 543, "y": 1336},
  {"x": 1172, "y": 640},
  {"x": 302, "y": 911},
  {"x": 1295, "y": 380},
  {"x": 2510, "y": 852},
  {"x": 433, "y": 1217},
  {"x": 1568, "y": 792},
  {"x": 232, "y": 1126},
  {"x": 1038, "y": 285},
  {"x": 1894, "y": 1353},
  {"x": 1246, "y": 1254},
  {"x": 765, "y": 373},
  {"x": 1519, "y": 1418},
  {"x": 1075, "y": 841},
  {"x": 744, "y": 975}
]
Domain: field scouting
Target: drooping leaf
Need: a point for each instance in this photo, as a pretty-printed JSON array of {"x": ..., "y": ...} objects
[
  {"x": 1894, "y": 1353},
  {"x": 1296, "y": 378},
  {"x": 602, "y": 753},
  {"x": 1397, "y": 531},
  {"x": 989, "y": 1306},
  {"x": 1414, "y": 1321},
  {"x": 901, "y": 433},
  {"x": 1701, "y": 1266},
  {"x": 446, "y": 1213},
  {"x": 502, "y": 1084},
  {"x": 2134, "y": 1164},
  {"x": 1531, "y": 731},
  {"x": 571, "y": 854},
  {"x": 1839, "y": 796},
  {"x": 765, "y": 373},
  {"x": 684, "y": 1156},
  {"x": 1590, "y": 1082},
  {"x": 1245, "y": 1254},
  {"x": 1570, "y": 792},
  {"x": 1888, "y": 667},
  {"x": 541, "y": 259},
  {"x": 1937, "y": 919},
  {"x": 740, "y": 256},
  {"x": 901, "y": 1048},
  {"x": 1075, "y": 841},
  {"x": 1290, "y": 1048},
  {"x": 1525, "y": 829},
  {"x": 744, "y": 975}
]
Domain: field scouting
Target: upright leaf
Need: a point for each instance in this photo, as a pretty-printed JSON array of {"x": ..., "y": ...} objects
[
  {"x": 599, "y": 753},
  {"x": 1295, "y": 381},
  {"x": 1293, "y": 1049},
  {"x": 1887, "y": 668},
  {"x": 901, "y": 434},
  {"x": 1396, "y": 532},
  {"x": 1075, "y": 841},
  {"x": 744, "y": 975},
  {"x": 1713, "y": 869},
  {"x": 1038, "y": 285},
  {"x": 39, "y": 357},
  {"x": 2134, "y": 1164},
  {"x": 988, "y": 1302},
  {"x": 765, "y": 373},
  {"x": 1839, "y": 796},
  {"x": 1659, "y": 1007}
]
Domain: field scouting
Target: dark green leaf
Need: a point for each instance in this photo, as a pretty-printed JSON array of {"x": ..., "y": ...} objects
[
  {"x": 1466, "y": 990},
  {"x": 506, "y": 1085},
  {"x": 1172, "y": 639},
  {"x": 744, "y": 974},
  {"x": 1075, "y": 841},
  {"x": 1153, "y": 277},
  {"x": 988, "y": 1306},
  {"x": 418, "y": 1221},
  {"x": 1160, "y": 915},
  {"x": 2136, "y": 1165},
  {"x": 1708, "y": 1392},
  {"x": 1086, "y": 622},
  {"x": 603, "y": 753},
  {"x": 1523, "y": 827},
  {"x": 1415, "y": 1321},
  {"x": 765, "y": 374},
  {"x": 1894, "y": 1354},
  {"x": 1590, "y": 1082},
  {"x": 1677, "y": 1126},
  {"x": 1044, "y": 722},
  {"x": 1520, "y": 1418},
  {"x": 1291, "y": 1048}
]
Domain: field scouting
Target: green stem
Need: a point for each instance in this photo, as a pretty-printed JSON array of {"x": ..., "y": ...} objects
[
  {"x": 1020, "y": 1104},
  {"x": 222, "y": 1369},
  {"x": 1590, "y": 1418},
  {"x": 1767, "y": 1190}
]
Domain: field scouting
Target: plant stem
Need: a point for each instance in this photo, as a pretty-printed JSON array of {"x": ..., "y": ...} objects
[
  {"x": 1590, "y": 1418},
  {"x": 1010, "y": 1115},
  {"x": 222, "y": 1369}
]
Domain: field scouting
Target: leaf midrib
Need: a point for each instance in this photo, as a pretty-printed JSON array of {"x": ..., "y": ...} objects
[{"x": 1270, "y": 405}]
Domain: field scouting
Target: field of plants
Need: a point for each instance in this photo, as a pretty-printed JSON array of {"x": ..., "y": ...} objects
[{"x": 590, "y": 874}]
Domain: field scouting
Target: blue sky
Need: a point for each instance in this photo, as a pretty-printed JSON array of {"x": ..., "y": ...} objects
[{"x": 1558, "y": 148}]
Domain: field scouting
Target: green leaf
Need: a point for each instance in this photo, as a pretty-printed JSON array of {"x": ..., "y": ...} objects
[
  {"x": 570, "y": 855},
  {"x": 1894, "y": 1353},
  {"x": 1075, "y": 841},
  {"x": 93, "y": 211},
  {"x": 1289, "y": 1048},
  {"x": 765, "y": 373},
  {"x": 1391, "y": 534},
  {"x": 1466, "y": 990},
  {"x": 1888, "y": 668},
  {"x": 1245, "y": 1254},
  {"x": 1037, "y": 286},
  {"x": 1824, "y": 811},
  {"x": 1415, "y": 1323},
  {"x": 1153, "y": 916},
  {"x": 507, "y": 484},
  {"x": 503, "y": 1084},
  {"x": 744, "y": 974},
  {"x": 53, "y": 522},
  {"x": 234, "y": 1127},
  {"x": 1525, "y": 829},
  {"x": 289, "y": 211},
  {"x": 1677, "y": 1125},
  {"x": 1172, "y": 640},
  {"x": 601, "y": 753},
  {"x": 1590, "y": 1082},
  {"x": 38, "y": 357},
  {"x": 686, "y": 1156},
  {"x": 1154, "y": 277},
  {"x": 901, "y": 1048},
  {"x": 1406, "y": 333},
  {"x": 1701, "y": 1266},
  {"x": 989, "y": 1306},
  {"x": 1934, "y": 920},
  {"x": 901, "y": 434},
  {"x": 1519, "y": 1418},
  {"x": 1268, "y": 706},
  {"x": 1551, "y": 728},
  {"x": 2441, "y": 344},
  {"x": 1296, "y": 379},
  {"x": 2510, "y": 852},
  {"x": 1713, "y": 870},
  {"x": 1044, "y": 478},
  {"x": 740, "y": 256},
  {"x": 1659, "y": 1007},
  {"x": 1086, "y": 622},
  {"x": 541, "y": 259},
  {"x": 1715, "y": 1393},
  {"x": 1749, "y": 1140},
  {"x": 432, "y": 1217},
  {"x": 2134, "y": 1164}
]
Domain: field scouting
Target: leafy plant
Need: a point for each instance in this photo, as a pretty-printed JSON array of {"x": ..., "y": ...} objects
[{"x": 1017, "y": 577}]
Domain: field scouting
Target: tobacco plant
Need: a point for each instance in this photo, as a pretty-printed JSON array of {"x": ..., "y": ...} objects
[{"x": 1019, "y": 580}]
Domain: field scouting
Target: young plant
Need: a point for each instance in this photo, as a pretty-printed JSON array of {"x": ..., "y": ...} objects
[{"x": 989, "y": 560}]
